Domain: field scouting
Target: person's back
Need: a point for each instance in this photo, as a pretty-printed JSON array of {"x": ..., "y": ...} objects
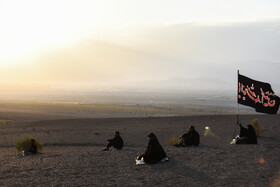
[
  {"x": 154, "y": 151},
  {"x": 32, "y": 149},
  {"x": 251, "y": 135},
  {"x": 195, "y": 139},
  {"x": 116, "y": 142},
  {"x": 191, "y": 138}
]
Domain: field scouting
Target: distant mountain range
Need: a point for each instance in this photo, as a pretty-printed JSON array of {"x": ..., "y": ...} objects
[{"x": 180, "y": 84}]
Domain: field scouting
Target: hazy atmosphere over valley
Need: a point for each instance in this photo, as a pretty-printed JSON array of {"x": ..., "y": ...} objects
[{"x": 137, "y": 46}]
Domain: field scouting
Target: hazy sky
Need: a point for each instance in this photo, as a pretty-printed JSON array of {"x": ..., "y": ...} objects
[{"x": 112, "y": 42}]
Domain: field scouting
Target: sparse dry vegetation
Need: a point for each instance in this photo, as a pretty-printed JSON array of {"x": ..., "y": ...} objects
[
  {"x": 173, "y": 140},
  {"x": 6, "y": 122},
  {"x": 259, "y": 130},
  {"x": 24, "y": 144}
]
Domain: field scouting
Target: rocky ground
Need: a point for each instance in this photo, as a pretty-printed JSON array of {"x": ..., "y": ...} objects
[{"x": 73, "y": 156}]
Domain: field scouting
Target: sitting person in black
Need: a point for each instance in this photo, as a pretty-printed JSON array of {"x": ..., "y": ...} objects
[
  {"x": 191, "y": 138},
  {"x": 116, "y": 142},
  {"x": 247, "y": 135},
  {"x": 33, "y": 148},
  {"x": 154, "y": 151}
]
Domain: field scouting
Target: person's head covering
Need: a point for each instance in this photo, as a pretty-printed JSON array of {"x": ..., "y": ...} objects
[
  {"x": 191, "y": 127},
  {"x": 117, "y": 132},
  {"x": 151, "y": 135},
  {"x": 250, "y": 127}
]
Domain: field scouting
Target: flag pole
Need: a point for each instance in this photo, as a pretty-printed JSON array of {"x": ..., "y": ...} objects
[
  {"x": 237, "y": 97},
  {"x": 237, "y": 116}
]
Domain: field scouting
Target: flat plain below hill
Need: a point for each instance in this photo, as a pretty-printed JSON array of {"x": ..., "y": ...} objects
[{"x": 73, "y": 155}]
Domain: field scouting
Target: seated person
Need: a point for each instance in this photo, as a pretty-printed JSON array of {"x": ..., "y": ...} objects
[
  {"x": 154, "y": 151},
  {"x": 32, "y": 149},
  {"x": 247, "y": 135},
  {"x": 191, "y": 138},
  {"x": 116, "y": 142}
]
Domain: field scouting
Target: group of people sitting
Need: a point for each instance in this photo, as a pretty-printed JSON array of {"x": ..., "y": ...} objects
[
  {"x": 247, "y": 135},
  {"x": 155, "y": 153}
]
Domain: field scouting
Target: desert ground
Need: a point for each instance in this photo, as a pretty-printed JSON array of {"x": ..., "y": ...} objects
[{"x": 73, "y": 139}]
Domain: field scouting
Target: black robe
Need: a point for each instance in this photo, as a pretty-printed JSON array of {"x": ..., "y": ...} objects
[
  {"x": 247, "y": 136},
  {"x": 154, "y": 151},
  {"x": 190, "y": 138},
  {"x": 116, "y": 142},
  {"x": 33, "y": 148}
]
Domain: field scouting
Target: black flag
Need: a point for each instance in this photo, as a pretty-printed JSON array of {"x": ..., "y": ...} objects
[{"x": 258, "y": 95}]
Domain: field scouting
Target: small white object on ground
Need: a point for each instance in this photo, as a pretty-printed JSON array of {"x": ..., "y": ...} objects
[
  {"x": 139, "y": 162},
  {"x": 165, "y": 159}
]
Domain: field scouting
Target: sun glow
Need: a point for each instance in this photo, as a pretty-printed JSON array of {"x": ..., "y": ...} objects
[
  {"x": 32, "y": 27},
  {"x": 29, "y": 28}
]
